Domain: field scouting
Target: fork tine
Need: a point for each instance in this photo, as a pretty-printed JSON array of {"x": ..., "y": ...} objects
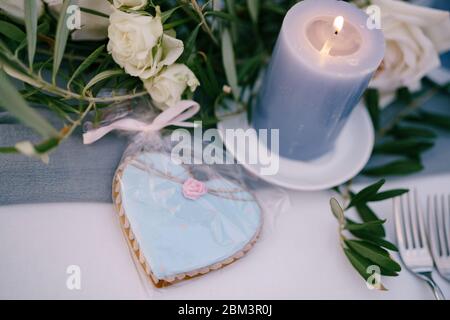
[
  {"x": 399, "y": 224},
  {"x": 419, "y": 211},
  {"x": 447, "y": 223},
  {"x": 413, "y": 216},
  {"x": 432, "y": 225},
  {"x": 407, "y": 220},
  {"x": 443, "y": 226},
  {"x": 440, "y": 220}
]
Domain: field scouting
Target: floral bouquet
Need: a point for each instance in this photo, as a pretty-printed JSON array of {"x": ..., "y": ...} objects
[{"x": 76, "y": 58}]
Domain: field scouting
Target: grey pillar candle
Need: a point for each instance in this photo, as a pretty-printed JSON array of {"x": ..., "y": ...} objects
[{"x": 323, "y": 61}]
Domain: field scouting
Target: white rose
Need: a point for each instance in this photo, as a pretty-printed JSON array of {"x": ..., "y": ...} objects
[
  {"x": 131, "y": 4},
  {"x": 414, "y": 38},
  {"x": 167, "y": 88},
  {"x": 93, "y": 27},
  {"x": 137, "y": 44},
  {"x": 15, "y": 9}
]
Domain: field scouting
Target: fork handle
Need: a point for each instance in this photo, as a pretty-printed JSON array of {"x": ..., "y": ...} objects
[{"x": 436, "y": 290}]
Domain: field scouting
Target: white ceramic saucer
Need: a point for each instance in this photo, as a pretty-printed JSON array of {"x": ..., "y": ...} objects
[{"x": 350, "y": 155}]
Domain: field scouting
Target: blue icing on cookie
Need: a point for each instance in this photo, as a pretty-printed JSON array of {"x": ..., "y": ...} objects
[{"x": 178, "y": 235}]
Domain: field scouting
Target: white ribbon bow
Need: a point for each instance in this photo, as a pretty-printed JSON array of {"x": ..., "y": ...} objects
[{"x": 173, "y": 116}]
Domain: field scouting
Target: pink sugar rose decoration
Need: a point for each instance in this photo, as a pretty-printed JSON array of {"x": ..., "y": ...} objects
[{"x": 194, "y": 189}]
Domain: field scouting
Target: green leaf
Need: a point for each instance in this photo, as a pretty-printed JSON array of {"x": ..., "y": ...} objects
[
  {"x": 31, "y": 20},
  {"x": 176, "y": 23},
  {"x": 374, "y": 253},
  {"x": 370, "y": 237},
  {"x": 189, "y": 46},
  {"x": 274, "y": 8},
  {"x": 7, "y": 150},
  {"x": 404, "y": 95},
  {"x": 365, "y": 194},
  {"x": 86, "y": 63},
  {"x": 62, "y": 33},
  {"x": 231, "y": 7},
  {"x": 229, "y": 62},
  {"x": 94, "y": 12},
  {"x": 167, "y": 14},
  {"x": 221, "y": 14},
  {"x": 100, "y": 77},
  {"x": 389, "y": 194},
  {"x": 412, "y": 132},
  {"x": 438, "y": 120},
  {"x": 353, "y": 226},
  {"x": 337, "y": 210},
  {"x": 362, "y": 265},
  {"x": 43, "y": 28},
  {"x": 249, "y": 68},
  {"x": 13, "y": 102},
  {"x": 11, "y": 31},
  {"x": 367, "y": 215},
  {"x": 46, "y": 146},
  {"x": 399, "y": 167},
  {"x": 372, "y": 100},
  {"x": 253, "y": 8},
  {"x": 410, "y": 147}
]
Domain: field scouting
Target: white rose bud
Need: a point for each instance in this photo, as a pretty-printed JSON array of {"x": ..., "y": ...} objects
[
  {"x": 167, "y": 88},
  {"x": 15, "y": 9},
  {"x": 137, "y": 44},
  {"x": 414, "y": 38},
  {"x": 130, "y": 4}
]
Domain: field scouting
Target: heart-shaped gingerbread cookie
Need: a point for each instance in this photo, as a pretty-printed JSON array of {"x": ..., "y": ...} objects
[{"x": 179, "y": 225}]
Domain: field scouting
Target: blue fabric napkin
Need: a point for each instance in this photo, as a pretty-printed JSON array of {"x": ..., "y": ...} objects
[{"x": 76, "y": 173}]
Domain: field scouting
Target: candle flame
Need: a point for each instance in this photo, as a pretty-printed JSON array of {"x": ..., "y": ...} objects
[{"x": 338, "y": 24}]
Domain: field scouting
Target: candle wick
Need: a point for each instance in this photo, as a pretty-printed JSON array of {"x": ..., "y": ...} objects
[
  {"x": 336, "y": 32},
  {"x": 326, "y": 48}
]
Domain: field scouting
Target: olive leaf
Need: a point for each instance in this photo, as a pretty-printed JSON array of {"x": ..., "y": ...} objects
[
  {"x": 367, "y": 215},
  {"x": 62, "y": 33},
  {"x": 101, "y": 77},
  {"x": 337, "y": 210},
  {"x": 409, "y": 132},
  {"x": 189, "y": 46},
  {"x": 353, "y": 226},
  {"x": 11, "y": 31},
  {"x": 374, "y": 253},
  {"x": 361, "y": 264},
  {"x": 31, "y": 22},
  {"x": 253, "y": 8},
  {"x": 404, "y": 95},
  {"x": 370, "y": 237},
  {"x": 389, "y": 194},
  {"x": 229, "y": 62},
  {"x": 438, "y": 120},
  {"x": 86, "y": 64},
  {"x": 410, "y": 147},
  {"x": 365, "y": 194},
  {"x": 13, "y": 102},
  {"x": 398, "y": 167}
]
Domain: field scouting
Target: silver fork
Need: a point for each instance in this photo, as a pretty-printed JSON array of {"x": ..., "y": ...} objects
[
  {"x": 439, "y": 232},
  {"x": 412, "y": 240}
]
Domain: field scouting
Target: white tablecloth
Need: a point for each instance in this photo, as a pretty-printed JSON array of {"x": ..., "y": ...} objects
[{"x": 298, "y": 256}]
